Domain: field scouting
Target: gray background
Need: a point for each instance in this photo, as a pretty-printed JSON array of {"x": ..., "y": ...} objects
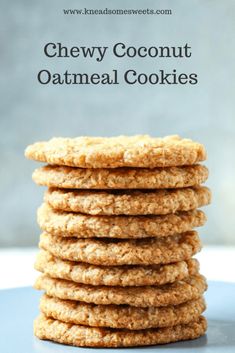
[{"x": 31, "y": 112}]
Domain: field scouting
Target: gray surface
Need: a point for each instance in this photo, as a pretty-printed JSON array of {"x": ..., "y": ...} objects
[
  {"x": 18, "y": 308},
  {"x": 31, "y": 112}
]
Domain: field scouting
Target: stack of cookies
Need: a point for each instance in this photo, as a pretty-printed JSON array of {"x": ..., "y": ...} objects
[{"x": 117, "y": 240}]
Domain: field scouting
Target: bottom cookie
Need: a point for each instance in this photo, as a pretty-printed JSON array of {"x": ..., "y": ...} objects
[{"x": 85, "y": 336}]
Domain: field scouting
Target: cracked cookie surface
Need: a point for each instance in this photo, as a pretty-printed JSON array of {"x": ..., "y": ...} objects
[
  {"x": 121, "y": 151},
  {"x": 111, "y": 252},
  {"x": 120, "y": 178},
  {"x": 69, "y": 224},
  {"x": 158, "y": 202},
  {"x": 190, "y": 288},
  {"x": 121, "y": 316},
  {"x": 84, "y": 336},
  {"x": 115, "y": 275}
]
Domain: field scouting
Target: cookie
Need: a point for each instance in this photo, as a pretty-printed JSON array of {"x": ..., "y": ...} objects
[
  {"x": 115, "y": 275},
  {"x": 84, "y": 336},
  {"x": 66, "y": 224},
  {"x": 120, "y": 178},
  {"x": 175, "y": 293},
  {"x": 111, "y": 252},
  {"x": 128, "y": 202},
  {"x": 121, "y": 316},
  {"x": 121, "y": 151}
]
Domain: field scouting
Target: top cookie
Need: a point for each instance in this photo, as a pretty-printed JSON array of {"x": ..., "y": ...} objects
[{"x": 121, "y": 151}]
